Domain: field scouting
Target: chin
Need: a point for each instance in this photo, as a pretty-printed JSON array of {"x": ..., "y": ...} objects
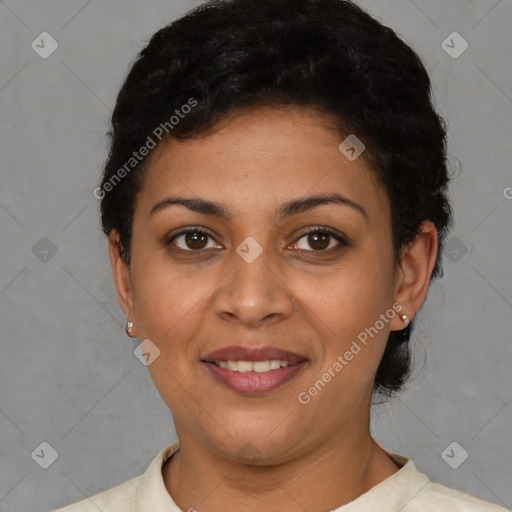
[{"x": 256, "y": 444}]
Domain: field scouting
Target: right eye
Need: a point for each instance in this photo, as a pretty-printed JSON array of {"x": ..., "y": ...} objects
[{"x": 192, "y": 239}]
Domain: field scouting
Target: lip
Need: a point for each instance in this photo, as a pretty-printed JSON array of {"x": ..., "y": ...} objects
[
  {"x": 241, "y": 353},
  {"x": 253, "y": 383}
]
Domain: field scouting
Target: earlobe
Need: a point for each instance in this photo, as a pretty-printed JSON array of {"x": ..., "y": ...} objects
[
  {"x": 416, "y": 266},
  {"x": 121, "y": 275}
]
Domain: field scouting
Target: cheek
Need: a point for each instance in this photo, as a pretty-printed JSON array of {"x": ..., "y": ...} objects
[
  {"x": 348, "y": 297},
  {"x": 346, "y": 308},
  {"x": 169, "y": 309},
  {"x": 166, "y": 298},
  {"x": 169, "y": 305}
]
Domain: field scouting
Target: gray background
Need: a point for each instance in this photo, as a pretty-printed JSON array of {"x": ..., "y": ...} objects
[{"x": 68, "y": 376}]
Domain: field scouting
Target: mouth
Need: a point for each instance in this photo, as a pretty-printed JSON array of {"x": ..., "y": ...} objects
[
  {"x": 252, "y": 366},
  {"x": 253, "y": 371}
]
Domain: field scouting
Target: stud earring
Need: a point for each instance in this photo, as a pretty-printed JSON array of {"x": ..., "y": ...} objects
[
  {"x": 405, "y": 320},
  {"x": 128, "y": 329}
]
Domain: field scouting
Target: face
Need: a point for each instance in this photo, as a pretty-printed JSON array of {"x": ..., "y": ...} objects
[{"x": 307, "y": 278}]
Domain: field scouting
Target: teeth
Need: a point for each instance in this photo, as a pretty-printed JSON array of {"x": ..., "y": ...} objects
[
  {"x": 232, "y": 365},
  {"x": 256, "y": 366},
  {"x": 244, "y": 366},
  {"x": 261, "y": 366}
]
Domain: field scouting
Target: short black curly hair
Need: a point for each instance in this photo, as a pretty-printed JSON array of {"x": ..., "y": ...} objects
[{"x": 226, "y": 55}]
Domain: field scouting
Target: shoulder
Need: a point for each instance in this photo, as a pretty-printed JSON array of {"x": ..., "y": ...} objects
[
  {"x": 436, "y": 497},
  {"x": 410, "y": 490},
  {"x": 122, "y": 497},
  {"x": 147, "y": 489}
]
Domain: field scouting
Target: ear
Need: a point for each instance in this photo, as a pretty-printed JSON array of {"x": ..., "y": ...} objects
[
  {"x": 122, "y": 278},
  {"x": 417, "y": 261}
]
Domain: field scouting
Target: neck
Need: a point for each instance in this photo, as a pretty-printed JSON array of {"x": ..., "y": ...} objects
[{"x": 324, "y": 478}]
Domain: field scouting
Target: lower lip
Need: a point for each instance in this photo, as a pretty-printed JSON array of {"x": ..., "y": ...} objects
[{"x": 253, "y": 383}]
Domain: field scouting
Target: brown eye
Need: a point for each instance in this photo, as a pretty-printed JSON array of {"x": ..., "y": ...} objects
[
  {"x": 320, "y": 240},
  {"x": 192, "y": 239}
]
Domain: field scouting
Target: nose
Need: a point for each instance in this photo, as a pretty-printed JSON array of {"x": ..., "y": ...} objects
[{"x": 253, "y": 293}]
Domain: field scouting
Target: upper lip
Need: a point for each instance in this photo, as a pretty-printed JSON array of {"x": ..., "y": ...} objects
[{"x": 241, "y": 353}]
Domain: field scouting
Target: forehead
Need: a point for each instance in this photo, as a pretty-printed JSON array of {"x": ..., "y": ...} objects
[{"x": 258, "y": 157}]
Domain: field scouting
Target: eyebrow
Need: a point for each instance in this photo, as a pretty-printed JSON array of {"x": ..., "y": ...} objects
[{"x": 287, "y": 209}]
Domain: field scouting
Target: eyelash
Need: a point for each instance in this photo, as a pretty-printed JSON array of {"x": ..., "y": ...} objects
[{"x": 343, "y": 242}]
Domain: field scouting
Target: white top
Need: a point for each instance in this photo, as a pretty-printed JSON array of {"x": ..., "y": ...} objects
[{"x": 407, "y": 490}]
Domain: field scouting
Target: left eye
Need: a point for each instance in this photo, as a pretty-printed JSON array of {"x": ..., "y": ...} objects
[{"x": 320, "y": 240}]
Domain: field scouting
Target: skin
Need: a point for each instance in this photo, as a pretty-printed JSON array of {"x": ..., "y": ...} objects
[{"x": 295, "y": 295}]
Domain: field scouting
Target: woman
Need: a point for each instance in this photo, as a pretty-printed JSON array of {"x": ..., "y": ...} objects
[{"x": 275, "y": 201}]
